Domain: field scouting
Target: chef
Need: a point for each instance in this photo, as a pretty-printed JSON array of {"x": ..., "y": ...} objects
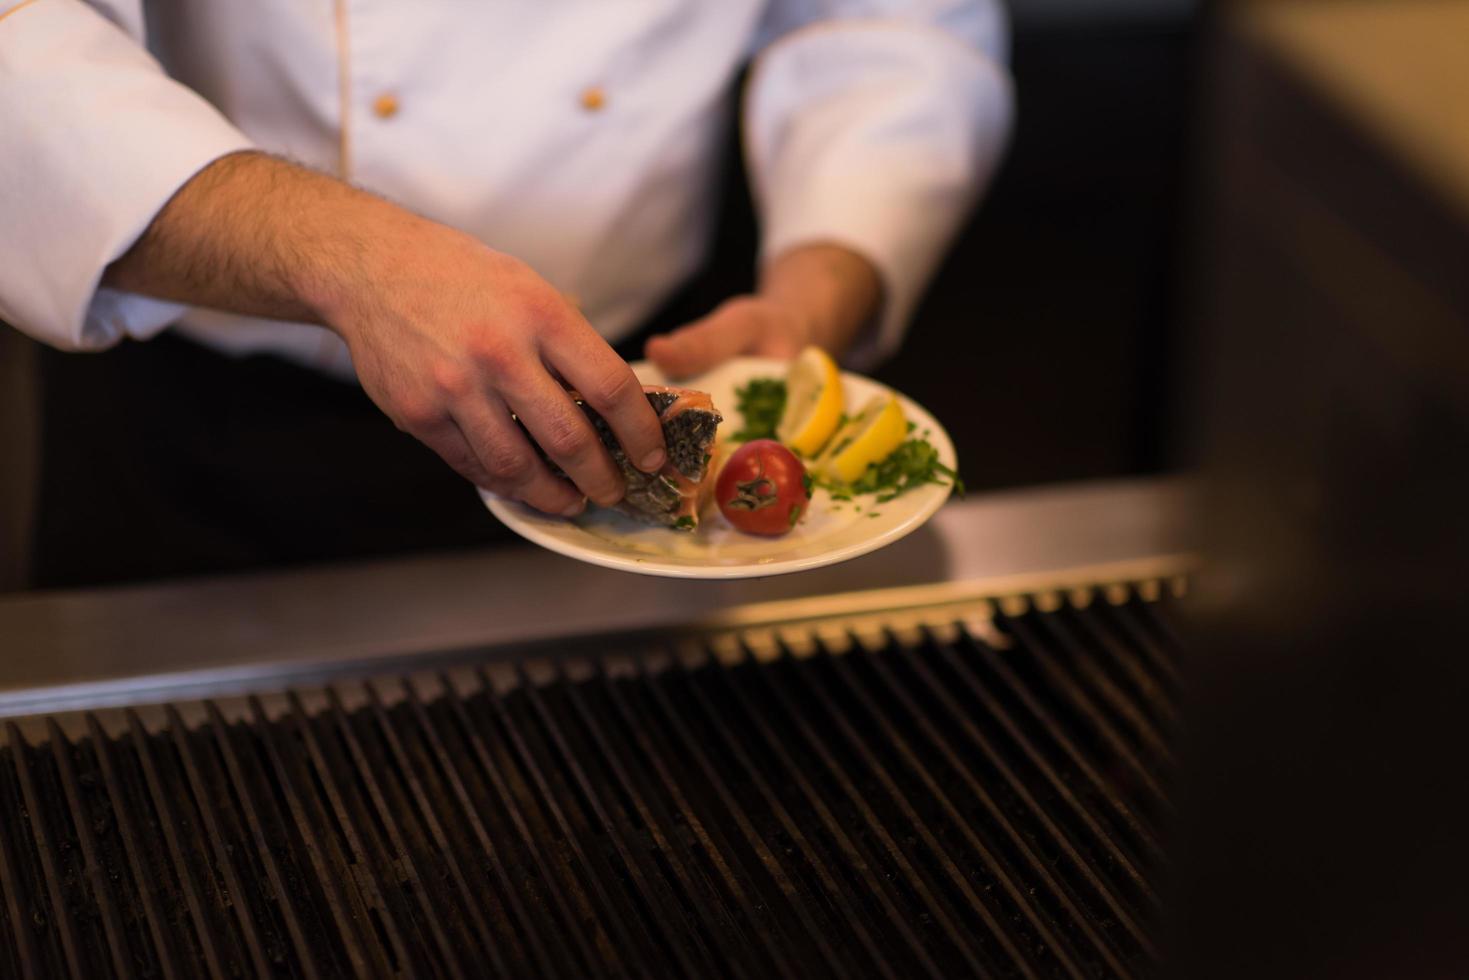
[{"x": 454, "y": 209}]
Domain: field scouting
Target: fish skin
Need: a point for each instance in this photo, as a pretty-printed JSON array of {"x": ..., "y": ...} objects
[{"x": 688, "y": 434}]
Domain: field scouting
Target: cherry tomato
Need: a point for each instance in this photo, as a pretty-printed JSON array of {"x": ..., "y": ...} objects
[{"x": 763, "y": 489}]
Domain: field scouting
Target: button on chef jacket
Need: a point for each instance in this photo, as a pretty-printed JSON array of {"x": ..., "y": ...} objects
[{"x": 582, "y": 136}]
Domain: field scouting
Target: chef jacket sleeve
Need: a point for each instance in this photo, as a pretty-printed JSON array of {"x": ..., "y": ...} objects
[
  {"x": 876, "y": 124},
  {"x": 94, "y": 140}
]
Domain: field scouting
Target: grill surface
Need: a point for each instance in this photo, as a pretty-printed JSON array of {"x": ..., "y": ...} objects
[{"x": 980, "y": 800}]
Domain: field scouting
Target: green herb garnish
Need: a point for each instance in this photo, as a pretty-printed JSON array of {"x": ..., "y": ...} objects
[
  {"x": 795, "y": 514},
  {"x": 684, "y": 523},
  {"x": 913, "y": 464},
  {"x": 808, "y": 484},
  {"x": 761, "y": 403}
]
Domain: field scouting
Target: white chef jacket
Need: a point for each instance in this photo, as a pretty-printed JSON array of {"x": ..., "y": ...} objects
[{"x": 582, "y": 136}]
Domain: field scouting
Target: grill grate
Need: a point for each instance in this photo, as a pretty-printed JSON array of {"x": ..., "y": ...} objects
[{"x": 981, "y": 800}]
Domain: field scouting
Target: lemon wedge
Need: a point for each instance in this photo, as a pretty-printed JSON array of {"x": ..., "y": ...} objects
[
  {"x": 813, "y": 402},
  {"x": 869, "y": 437}
]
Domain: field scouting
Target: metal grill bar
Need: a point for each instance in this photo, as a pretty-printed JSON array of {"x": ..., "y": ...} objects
[
  {"x": 1118, "y": 705},
  {"x": 891, "y": 808},
  {"x": 400, "y": 856},
  {"x": 21, "y": 955},
  {"x": 175, "y": 841},
  {"x": 1152, "y": 693},
  {"x": 673, "y": 939},
  {"x": 531, "y": 935},
  {"x": 512, "y": 732},
  {"x": 469, "y": 903},
  {"x": 944, "y": 913},
  {"x": 346, "y": 906},
  {"x": 568, "y": 919},
  {"x": 712, "y": 851},
  {"x": 49, "y": 848},
  {"x": 1058, "y": 677},
  {"x": 132, "y": 846},
  {"x": 212, "y": 817},
  {"x": 296, "y": 919},
  {"x": 715, "y": 922},
  {"x": 1151, "y": 637},
  {"x": 1007, "y": 875},
  {"x": 877, "y": 883},
  {"x": 96, "y": 878},
  {"x": 387, "y": 904},
  {"x": 954, "y": 714},
  {"x": 815, "y": 932},
  {"x": 863, "y": 927},
  {"x": 1046, "y": 726}
]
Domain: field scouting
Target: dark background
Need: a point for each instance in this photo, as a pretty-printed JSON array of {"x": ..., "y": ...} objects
[{"x": 1047, "y": 343}]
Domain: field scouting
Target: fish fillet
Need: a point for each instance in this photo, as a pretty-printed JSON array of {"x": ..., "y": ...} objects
[{"x": 672, "y": 496}]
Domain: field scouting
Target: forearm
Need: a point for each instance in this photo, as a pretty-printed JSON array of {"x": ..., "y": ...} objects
[
  {"x": 450, "y": 338},
  {"x": 833, "y": 292},
  {"x": 256, "y": 235}
]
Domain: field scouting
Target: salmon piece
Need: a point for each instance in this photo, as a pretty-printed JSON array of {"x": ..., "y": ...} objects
[{"x": 672, "y": 496}]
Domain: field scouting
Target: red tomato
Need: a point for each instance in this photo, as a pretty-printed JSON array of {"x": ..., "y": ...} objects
[{"x": 763, "y": 489}]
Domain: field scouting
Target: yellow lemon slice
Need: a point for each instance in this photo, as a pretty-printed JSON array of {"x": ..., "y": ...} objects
[
  {"x": 869, "y": 437},
  {"x": 813, "y": 402}
]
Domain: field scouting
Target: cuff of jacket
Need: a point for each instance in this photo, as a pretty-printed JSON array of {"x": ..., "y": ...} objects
[
  {"x": 97, "y": 140},
  {"x": 879, "y": 136}
]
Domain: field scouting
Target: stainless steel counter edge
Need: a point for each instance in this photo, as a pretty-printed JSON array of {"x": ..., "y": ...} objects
[{"x": 97, "y": 645}]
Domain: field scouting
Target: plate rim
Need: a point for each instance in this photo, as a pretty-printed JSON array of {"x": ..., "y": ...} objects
[{"x": 506, "y": 512}]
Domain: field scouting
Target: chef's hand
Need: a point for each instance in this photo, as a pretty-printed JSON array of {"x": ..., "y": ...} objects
[
  {"x": 453, "y": 337},
  {"x": 813, "y": 294},
  {"x": 449, "y": 337}
]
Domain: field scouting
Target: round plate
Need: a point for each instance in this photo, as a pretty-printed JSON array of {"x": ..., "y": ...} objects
[{"x": 832, "y": 531}]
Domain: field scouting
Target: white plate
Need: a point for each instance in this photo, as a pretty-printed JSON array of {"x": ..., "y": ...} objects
[{"x": 831, "y": 531}]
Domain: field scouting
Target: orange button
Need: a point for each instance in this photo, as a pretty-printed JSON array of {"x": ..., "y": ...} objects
[
  {"x": 593, "y": 99},
  {"x": 385, "y": 106}
]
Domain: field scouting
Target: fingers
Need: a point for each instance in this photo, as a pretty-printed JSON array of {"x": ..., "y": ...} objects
[
  {"x": 446, "y": 440},
  {"x": 562, "y": 430},
  {"x": 704, "y": 344},
  {"x": 508, "y": 461},
  {"x": 590, "y": 366}
]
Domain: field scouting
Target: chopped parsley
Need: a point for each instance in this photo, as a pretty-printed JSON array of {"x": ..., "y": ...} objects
[
  {"x": 761, "y": 402},
  {"x": 915, "y": 463},
  {"x": 684, "y": 523}
]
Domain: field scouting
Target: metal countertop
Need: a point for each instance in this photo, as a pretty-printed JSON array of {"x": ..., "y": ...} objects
[{"x": 98, "y": 645}]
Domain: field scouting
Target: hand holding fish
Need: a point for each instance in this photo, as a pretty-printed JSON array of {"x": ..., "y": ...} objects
[{"x": 819, "y": 294}]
